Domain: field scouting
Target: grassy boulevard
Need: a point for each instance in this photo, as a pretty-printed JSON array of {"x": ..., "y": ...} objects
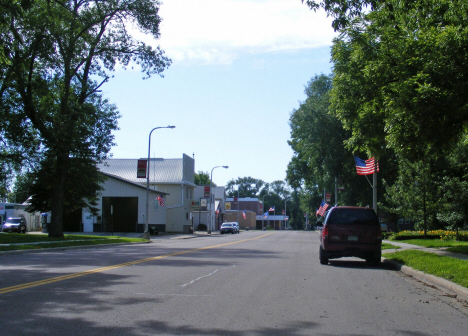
[
  {"x": 449, "y": 268},
  {"x": 16, "y": 241}
]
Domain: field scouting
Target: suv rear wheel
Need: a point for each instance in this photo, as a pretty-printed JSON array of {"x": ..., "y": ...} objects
[
  {"x": 323, "y": 257},
  {"x": 374, "y": 259}
]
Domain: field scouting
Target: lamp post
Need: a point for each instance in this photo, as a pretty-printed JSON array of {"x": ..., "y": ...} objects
[
  {"x": 212, "y": 198},
  {"x": 238, "y": 204},
  {"x": 146, "y": 233}
]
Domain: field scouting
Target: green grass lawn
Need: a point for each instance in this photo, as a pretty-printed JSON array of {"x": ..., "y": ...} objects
[
  {"x": 435, "y": 243},
  {"x": 458, "y": 249},
  {"x": 10, "y": 238},
  {"x": 452, "y": 269},
  {"x": 387, "y": 246},
  {"x": 34, "y": 242}
]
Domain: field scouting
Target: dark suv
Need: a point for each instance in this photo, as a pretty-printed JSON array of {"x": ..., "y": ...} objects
[
  {"x": 351, "y": 232},
  {"x": 13, "y": 224}
]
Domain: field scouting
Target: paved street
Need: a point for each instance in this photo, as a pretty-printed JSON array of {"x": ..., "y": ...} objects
[{"x": 254, "y": 283}]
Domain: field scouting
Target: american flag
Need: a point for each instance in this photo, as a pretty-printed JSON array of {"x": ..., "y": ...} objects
[
  {"x": 323, "y": 207},
  {"x": 161, "y": 200},
  {"x": 366, "y": 167},
  {"x": 265, "y": 215},
  {"x": 244, "y": 215},
  {"x": 272, "y": 208}
]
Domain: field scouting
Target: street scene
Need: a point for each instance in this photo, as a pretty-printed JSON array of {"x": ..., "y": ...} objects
[
  {"x": 234, "y": 168},
  {"x": 252, "y": 283}
]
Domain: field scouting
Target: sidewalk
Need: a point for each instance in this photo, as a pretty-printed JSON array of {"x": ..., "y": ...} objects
[
  {"x": 452, "y": 289},
  {"x": 440, "y": 251}
]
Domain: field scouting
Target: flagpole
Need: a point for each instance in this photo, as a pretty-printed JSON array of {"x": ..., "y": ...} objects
[{"x": 374, "y": 187}]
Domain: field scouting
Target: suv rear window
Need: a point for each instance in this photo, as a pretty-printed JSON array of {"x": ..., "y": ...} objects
[{"x": 352, "y": 216}]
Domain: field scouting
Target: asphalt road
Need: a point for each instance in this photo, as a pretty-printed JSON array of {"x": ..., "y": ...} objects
[{"x": 253, "y": 283}]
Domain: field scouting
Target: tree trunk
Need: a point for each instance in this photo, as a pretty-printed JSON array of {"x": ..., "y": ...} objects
[{"x": 56, "y": 223}]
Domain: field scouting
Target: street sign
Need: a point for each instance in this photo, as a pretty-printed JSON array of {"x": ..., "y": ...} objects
[
  {"x": 203, "y": 202},
  {"x": 141, "y": 169},
  {"x": 207, "y": 191},
  {"x": 327, "y": 197}
]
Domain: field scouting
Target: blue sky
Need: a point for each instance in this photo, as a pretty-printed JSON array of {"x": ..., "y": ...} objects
[{"x": 239, "y": 70}]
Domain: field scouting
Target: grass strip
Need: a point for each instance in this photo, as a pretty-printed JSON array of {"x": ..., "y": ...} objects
[
  {"x": 96, "y": 241},
  {"x": 11, "y": 238},
  {"x": 387, "y": 246},
  {"x": 452, "y": 269},
  {"x": 435, "y": 243},
  {"x": 458, "y": 249}
]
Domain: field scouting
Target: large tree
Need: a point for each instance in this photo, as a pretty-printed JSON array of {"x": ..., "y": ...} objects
[
  {"x": 59, "y": 54},
  {"x": 244, "y": 187},
  {"x": 401, "y": 77},
  {"x": 316, "y": 138}
]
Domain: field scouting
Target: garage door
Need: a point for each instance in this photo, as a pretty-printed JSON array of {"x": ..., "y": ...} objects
[{"x": 124, "y": 217}]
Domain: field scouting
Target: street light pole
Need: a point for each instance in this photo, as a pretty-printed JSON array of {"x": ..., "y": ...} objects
[
  {"x": 238, "y": 204},
  {"x": 212, "y": 198},
  {"x": 146, "y": 233}
]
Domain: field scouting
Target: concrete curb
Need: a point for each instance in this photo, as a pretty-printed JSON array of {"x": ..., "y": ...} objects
[{"x": 451, "y": 289}]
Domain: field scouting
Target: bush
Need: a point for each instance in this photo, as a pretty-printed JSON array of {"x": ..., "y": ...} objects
[
  {"x": 434, "y": 234},
  {"x": 387, "y": 235},
  {"x": 201, "y": 227}
]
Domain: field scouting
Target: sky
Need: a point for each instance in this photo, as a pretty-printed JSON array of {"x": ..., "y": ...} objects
[{"x": 239, "y": 69}]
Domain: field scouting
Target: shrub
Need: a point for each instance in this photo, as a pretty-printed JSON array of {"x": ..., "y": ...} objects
[{"x": 434, "y": 234}]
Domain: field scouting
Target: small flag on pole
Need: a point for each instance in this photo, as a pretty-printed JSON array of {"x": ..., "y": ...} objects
[
  {"x": 244, "y": 215},
  {"x": 366, "y": 167},
  {"x": 265, "y": 215},
  {"x": 161, "y": 200},
  {"x": 323, "y": 207},
  {"x": 272, "y": 208}
]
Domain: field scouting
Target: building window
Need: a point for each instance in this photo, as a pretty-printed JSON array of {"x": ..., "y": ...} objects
[
  {"x": 400, "y": 221},
  {"x": 407, "y": 221}
]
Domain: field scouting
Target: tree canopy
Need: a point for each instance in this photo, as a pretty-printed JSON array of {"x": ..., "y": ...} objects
[
  {"x": 202, "y": 178},
  {"x": 398, "y": 91},
  {"x": 58, "y": 54}
]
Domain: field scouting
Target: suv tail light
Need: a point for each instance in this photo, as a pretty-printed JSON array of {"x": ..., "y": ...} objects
[{"x": 325, "y": 232}]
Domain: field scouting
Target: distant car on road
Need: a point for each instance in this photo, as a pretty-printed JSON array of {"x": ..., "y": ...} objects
[
  {"x": 229, "y": 227},
  {"x": 351, "y": 232},
  {"x": 15, "y": 224}
]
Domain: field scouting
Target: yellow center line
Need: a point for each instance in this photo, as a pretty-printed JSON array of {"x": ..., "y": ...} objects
[{"x": 103, "y": 269}]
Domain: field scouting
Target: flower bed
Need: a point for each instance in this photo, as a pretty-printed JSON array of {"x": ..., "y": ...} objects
[{"x": 433, "y": 234}]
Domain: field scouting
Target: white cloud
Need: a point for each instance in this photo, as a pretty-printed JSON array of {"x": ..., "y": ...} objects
[{"x": 219, "y": 31}]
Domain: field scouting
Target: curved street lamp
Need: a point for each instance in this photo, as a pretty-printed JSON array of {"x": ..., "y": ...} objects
[
  {"x": 146, "y": 233},
  {"x": 212, "y": 198}
]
